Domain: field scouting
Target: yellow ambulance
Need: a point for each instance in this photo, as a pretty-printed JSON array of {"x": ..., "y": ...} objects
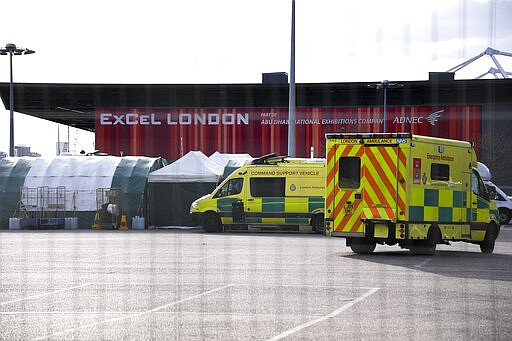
[
  {"x": 405, "y": 189},
  {"x": 269, "y": 193}
]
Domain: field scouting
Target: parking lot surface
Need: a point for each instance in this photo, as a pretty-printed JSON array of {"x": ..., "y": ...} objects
[{"x": 189, "y": 285}]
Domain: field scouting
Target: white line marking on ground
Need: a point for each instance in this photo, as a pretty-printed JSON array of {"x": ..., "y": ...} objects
[
  {"x": 326, "y": 317},
  {"x": 10, "y": 254},
  {"x": 317, "y": 257},
  {"x": 102, "y": 312},
  {"x": 45, "y": 294},
  {"x": 115, "y": 319},
  {"x": 420, "y": 265}
]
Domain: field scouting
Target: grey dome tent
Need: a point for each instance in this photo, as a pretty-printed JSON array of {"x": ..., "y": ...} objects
[{"x": 80, "y": 177}]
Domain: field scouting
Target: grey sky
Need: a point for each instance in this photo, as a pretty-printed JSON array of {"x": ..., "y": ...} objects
[{"x": 234, "y": 41}]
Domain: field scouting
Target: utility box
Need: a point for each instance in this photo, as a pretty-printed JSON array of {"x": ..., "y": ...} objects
[
  {"x": 441, "y": 76},
  {"x": 275, "y": 78}
]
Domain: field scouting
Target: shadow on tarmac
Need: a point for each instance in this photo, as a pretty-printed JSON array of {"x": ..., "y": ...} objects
[{"x": 460, "y": 264}]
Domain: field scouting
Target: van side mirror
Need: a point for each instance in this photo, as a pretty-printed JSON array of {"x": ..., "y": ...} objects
[{"x": 492, "y": 191}]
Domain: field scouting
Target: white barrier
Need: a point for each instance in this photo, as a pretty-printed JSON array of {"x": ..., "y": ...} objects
[
  {"x": 137, "y": 223},
  {"x": 71, "y": 223},
  {"x": 14, "y": 223}
]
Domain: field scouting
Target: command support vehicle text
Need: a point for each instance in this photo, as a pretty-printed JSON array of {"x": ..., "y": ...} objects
[
  {"x": 268, "y": 193},
  {"x": 405, "y": 189}
]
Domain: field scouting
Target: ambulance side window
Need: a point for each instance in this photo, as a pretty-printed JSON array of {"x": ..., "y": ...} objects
[
  {"x": 232, "y": 187},
  {"x": 349, "y": 172},
  {"x": 478, "y": 187},
  {"x": 440, "y": 171},
  {"x": 267, "y": 187},
  {"x": 474, "y": 183}
]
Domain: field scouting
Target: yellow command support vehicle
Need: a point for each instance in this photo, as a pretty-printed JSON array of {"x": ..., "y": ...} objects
[
  {"x": 405, "y": 189},
  {"x": 269, "y": 193}
]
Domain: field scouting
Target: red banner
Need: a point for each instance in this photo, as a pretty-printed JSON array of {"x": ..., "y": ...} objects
[{"x": 258, "y": 131}]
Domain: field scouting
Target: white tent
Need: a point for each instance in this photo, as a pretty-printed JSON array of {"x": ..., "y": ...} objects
[
  {"x": 173, "y": 188},
  {"x": 223, "y": 159},
  {"x": 192, "y": 167}
]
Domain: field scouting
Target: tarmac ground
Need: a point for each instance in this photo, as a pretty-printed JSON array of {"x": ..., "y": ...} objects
[{"x": 190, "y": 285}]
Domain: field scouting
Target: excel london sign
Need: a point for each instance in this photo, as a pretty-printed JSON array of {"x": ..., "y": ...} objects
[{"x": 171, "y": 132}]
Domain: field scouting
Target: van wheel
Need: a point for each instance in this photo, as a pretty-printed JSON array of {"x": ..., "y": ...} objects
[
  {"x": 505, "y": 215},
  {"x": 487, "y": 245},
  {"x": 427, "y": 246},
  {"x": 318, "y": 224},
  {"x": 362, "y": 246},
  {"x": 212, "y": 223}
]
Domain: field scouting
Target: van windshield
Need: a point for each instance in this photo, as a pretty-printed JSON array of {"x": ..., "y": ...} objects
[{"x": 232, "y": 187}]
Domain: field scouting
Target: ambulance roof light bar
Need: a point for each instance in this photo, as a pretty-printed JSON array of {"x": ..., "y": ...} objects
[{"x": 265, "y": 158}]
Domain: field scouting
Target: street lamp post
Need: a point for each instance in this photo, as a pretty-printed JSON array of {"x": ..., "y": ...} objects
[
  {"x": 12, "y": 50},
  {"x": 291, "y": 98},
  {"x": 385, "y": 84}
]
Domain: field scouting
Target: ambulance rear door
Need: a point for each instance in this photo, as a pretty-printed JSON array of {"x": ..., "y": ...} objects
[
  {"x": 370, "y": 185},
  {"x": 383, "y": 181}
]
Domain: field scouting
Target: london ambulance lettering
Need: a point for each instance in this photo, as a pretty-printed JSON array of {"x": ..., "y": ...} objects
[{"x": 258, "y": 131}]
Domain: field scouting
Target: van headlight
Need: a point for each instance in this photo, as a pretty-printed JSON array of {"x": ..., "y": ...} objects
[{"x": 194, "y": 204}]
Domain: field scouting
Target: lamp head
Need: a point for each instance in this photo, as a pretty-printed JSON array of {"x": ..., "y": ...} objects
[{"x": 10, "y": 47}]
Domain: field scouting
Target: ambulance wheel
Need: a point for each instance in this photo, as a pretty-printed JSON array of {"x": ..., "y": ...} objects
[
  {"x": 318, "y": 224},
  {"x": 427, "y": 246},
  {"x": 212, "y": 223},
  {"x": 505, "y": 215},
  {"x": 487, "y": 245},
  {"x": 362, "y": 246}
]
